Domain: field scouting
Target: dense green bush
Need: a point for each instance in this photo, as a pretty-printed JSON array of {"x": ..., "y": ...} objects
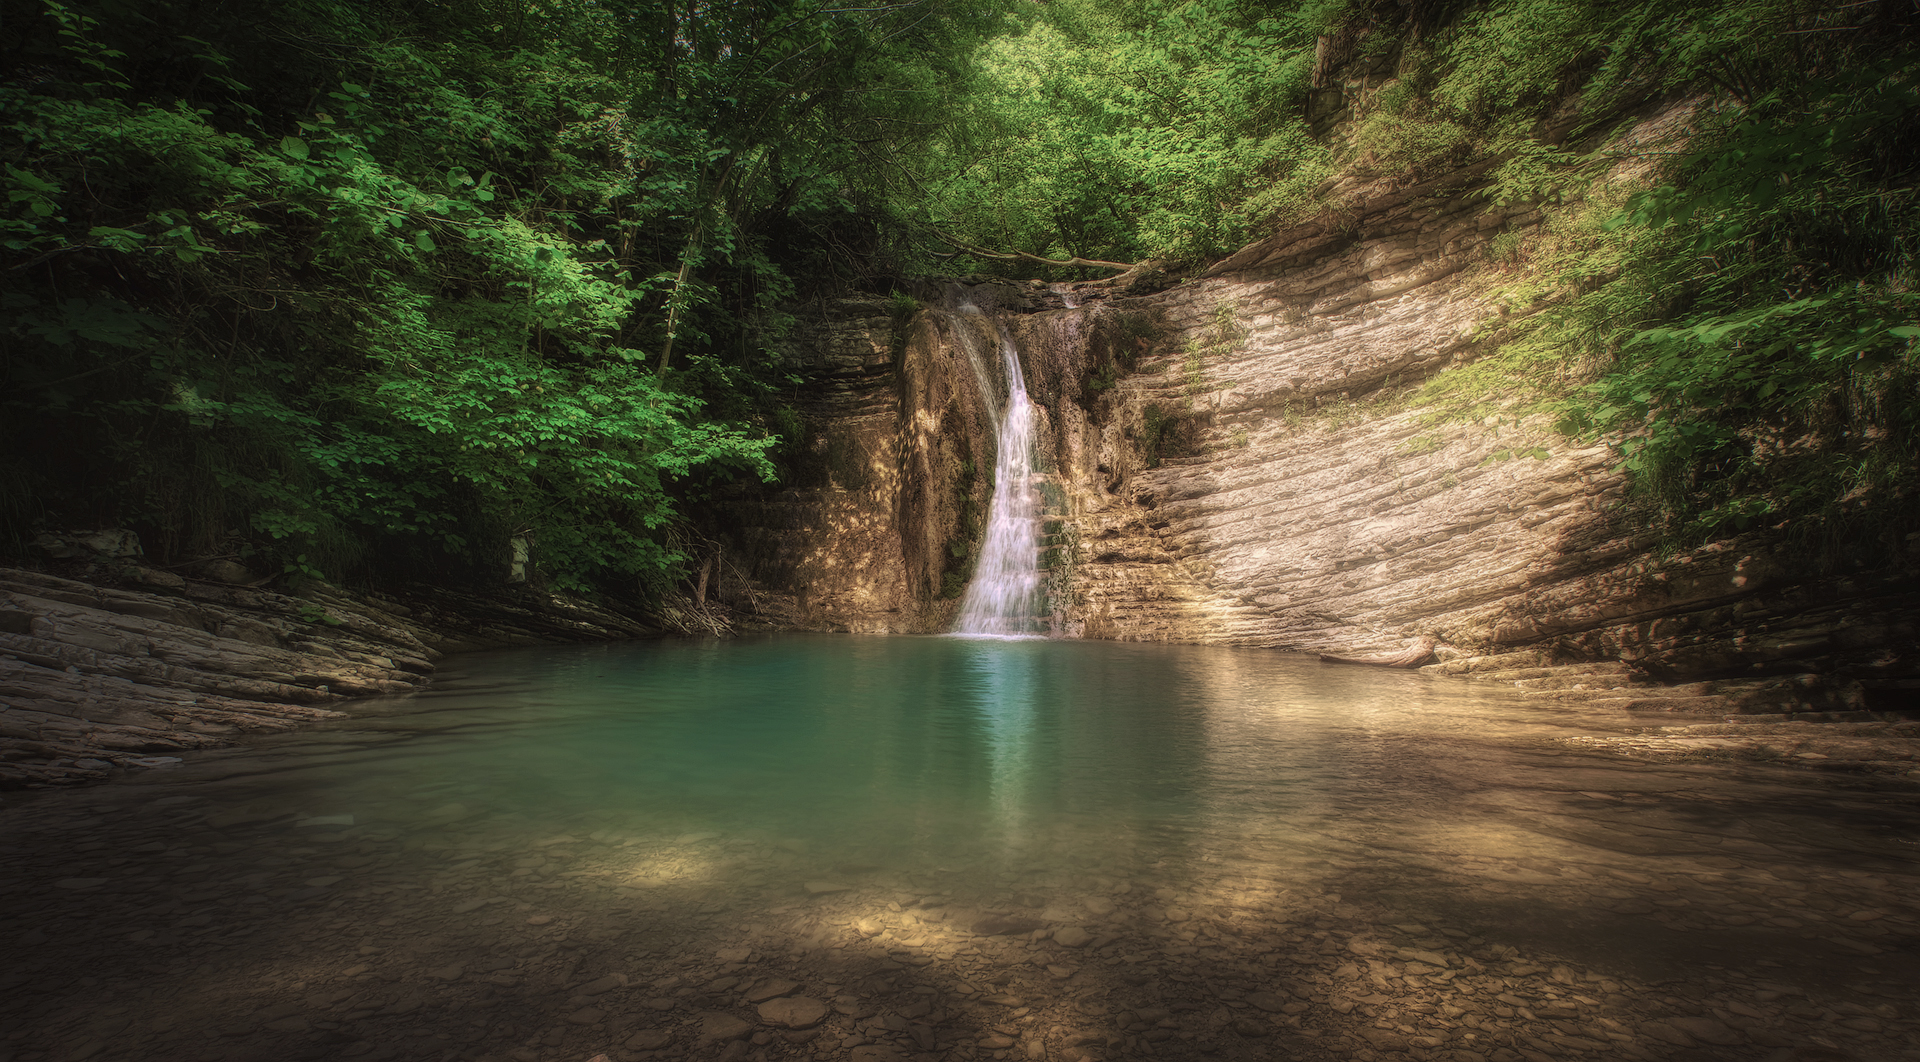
[
  {"x": 1740, "y": 322},
  {"x": 1763, "y": 328},
  {"x": 1149, "y": 129},
  {"x": 354, "y": 282}
]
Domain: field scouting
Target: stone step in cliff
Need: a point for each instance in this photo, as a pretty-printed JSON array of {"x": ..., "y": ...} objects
[
  {"x": 1846, "y": 742},
  {"x": 1618, "y": 685}
]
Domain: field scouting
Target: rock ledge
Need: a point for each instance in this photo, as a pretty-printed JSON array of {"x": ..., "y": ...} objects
[{"x": 97, "y": 678}]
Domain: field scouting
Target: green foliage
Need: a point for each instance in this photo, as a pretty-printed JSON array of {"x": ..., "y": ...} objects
[
  {"x": 1151, "y": 128},
  {"x": 957, "y": 565},
  {"x": 1216, "y": 341},
  {"x": 379, "y": 283},
  {"x": 1165, "y": 433},
  {"x": 901, "y": 309},
  {"x": 1740, "y": 329},
  {"x": 1403, "y": 145},
  {"x": 1770, "y": 375},
  {"x": 1508, "y": 453},
  {"x": 1176, "y": 129},
  {"x": 1114, "y": 348},
  {"x": 1193, "y": 367},
  {"x": 314, "y": 614}
]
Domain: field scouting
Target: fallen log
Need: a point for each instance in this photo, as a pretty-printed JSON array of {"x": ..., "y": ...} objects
[{"x": 1419, "y": 653}]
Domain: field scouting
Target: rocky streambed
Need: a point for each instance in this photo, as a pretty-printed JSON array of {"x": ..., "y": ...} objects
[{"x": 159, "y": 922}]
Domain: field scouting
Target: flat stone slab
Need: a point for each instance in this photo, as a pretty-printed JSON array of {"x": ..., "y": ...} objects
[
  {"x": 1707, "y": 1029},
  {"x": 796, "y": 1012},
  {"x": 1266, "y": 1001},
  {"x": 649, "y": 1040},
  {"x": 718, "y": 1028}
]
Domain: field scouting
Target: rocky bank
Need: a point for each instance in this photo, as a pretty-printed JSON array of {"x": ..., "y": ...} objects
[{"x": 97, "y": 678}]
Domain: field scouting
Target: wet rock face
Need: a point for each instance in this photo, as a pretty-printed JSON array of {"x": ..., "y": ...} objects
[
  {"x": 1223, "y": 468},
  {"x": 887, "y": 477},
  {"x": 823, "y": 553},
  {"x": 1300, "y": 510}
]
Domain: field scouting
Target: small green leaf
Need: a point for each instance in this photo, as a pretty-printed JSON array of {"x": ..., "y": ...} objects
[
  {"x": 1905, "y": 331},
  {"x": 32, "y": 181},
  {"x": 423, "y": 241},
  {"x": 294, "y": 147}
]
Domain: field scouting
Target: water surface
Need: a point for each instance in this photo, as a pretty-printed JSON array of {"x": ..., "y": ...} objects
[
  {"x": 1021, "y": 847},
  {"x": 1237, "y": 771}
]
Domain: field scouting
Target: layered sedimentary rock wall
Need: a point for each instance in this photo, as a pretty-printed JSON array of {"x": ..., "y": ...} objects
[
  {"x": 95, "y": 677},
  {"x": 1225, "y": 468}
]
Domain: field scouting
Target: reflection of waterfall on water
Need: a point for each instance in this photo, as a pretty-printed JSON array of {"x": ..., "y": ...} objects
[
  {"x": 1002, "y": 597},
  {"x": 1004, "y": 689}
]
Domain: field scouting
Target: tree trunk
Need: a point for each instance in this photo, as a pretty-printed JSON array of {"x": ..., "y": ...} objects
[
  {"x": 700, "y": 587},
  {"x": 675, "y": 300}
]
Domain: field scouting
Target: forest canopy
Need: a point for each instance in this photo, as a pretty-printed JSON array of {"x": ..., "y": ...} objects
[
  {"x": 343, "y": 285},
  {"x": 353, "y": 289}
]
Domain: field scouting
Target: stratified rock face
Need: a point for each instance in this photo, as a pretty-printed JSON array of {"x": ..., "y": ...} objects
[
  {"x": 1223, "y": 469},
  {"x": 1295, "y": 509},
  {"x": 95, "y": 678},
  {"x": 831, "y": 552},
  {"x": 888, "y": 478}
]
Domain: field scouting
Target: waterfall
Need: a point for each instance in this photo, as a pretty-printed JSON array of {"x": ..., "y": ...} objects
[{"x": 1004, "y": 594}]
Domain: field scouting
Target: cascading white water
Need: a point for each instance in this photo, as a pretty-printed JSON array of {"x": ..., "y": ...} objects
[{"x": 1004, "y": 593}]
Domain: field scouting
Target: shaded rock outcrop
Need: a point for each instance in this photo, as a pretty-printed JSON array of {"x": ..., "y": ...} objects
[
  {"x": 828, "y": 551},
  {"x": 95, "y": 678},
  {"x": 888, "y": 474}
]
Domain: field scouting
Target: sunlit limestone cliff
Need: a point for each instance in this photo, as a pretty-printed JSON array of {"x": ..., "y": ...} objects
[{"x": 1231, "y": 459}]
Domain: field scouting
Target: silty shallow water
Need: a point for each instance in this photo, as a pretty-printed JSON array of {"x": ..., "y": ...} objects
[{"x": 969, "y": 848}]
